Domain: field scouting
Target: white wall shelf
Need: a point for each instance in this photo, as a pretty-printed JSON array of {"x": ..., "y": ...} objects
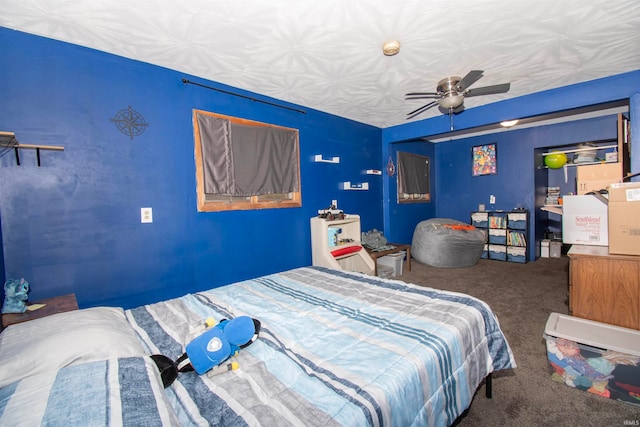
[
  {"x": 578, "y": 150},
  {"x": 556, "y": 209},
  {"x": 319, "y": 159},
  {"x": 347, "y": 185}
]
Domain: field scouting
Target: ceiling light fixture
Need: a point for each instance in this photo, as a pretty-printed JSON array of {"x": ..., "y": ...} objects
[
  {"x": 391, "y": 48},
  {"x": 509, "y": 123},
  {"x": 451, "y": 100}
]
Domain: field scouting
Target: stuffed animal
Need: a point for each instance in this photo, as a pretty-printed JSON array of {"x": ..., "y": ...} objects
[
  {"x": 208, "y": 351},
  {"x": 16, "y": 294},
  {"x": 221, "y": 342}
]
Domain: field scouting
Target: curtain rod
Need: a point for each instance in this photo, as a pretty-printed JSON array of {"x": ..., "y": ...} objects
[{"x": 185, "y": 81}]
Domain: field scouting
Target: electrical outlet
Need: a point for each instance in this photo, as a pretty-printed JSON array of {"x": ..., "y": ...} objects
[
  {"x": 334, "y": 203},
  {"x": 146, "y": 215},
  {"x": 492, "y": 199}
]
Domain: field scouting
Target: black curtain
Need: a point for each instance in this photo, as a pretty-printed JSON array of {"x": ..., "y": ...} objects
[{"x": 413, "y": 173}]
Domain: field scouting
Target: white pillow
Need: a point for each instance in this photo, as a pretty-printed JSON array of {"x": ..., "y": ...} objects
[{"x": 64, "y": 339}]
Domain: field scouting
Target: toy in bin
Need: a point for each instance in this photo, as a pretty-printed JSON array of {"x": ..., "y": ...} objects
[{"x": 206, "y": 353}]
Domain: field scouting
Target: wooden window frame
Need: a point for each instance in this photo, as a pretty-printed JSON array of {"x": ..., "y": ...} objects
[{"x": 289, "y": 200}]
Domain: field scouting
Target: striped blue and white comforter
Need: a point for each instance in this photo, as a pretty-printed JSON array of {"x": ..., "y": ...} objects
[
  {"x": 112, "y": 392},
  {"x": 336, "y": 348}
]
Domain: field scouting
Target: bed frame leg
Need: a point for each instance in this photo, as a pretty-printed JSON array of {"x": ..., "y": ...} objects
[{"x": 488, "y": 384}]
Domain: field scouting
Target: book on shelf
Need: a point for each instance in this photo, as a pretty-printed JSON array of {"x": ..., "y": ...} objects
[
  {"x": 553, "y": 194},
  {"x": 516, "y": 238}
]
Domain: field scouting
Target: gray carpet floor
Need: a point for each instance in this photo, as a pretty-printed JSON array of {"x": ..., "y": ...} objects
[{"x": 523, "y": 296}]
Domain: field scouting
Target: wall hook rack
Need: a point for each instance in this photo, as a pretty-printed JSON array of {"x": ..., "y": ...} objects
[{"x": 8, "y": 141}]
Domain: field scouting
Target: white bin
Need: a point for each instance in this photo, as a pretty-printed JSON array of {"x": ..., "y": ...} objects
[
  {"x": 385, "y": 271},
  {"x": 596, "y": 357},
  {"x": 394, "y": 261}
]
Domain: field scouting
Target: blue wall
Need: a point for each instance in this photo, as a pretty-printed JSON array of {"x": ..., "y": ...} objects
[
  {"x": 73, "y": 225},
  {"x": 514, "y": 186},
  {"x": 405, "y": 217}
]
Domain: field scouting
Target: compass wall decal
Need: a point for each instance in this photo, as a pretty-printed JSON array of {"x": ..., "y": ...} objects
[{"x": 130, "y": 122}]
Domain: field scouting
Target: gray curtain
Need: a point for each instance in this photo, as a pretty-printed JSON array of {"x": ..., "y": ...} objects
[
  {"x": 245, "y": 160},
  {"x": 217, "y": 155},
  {"x": 413, "y": 173}
]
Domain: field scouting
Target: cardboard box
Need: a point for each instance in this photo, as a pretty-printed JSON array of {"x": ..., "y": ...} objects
[
  {"x": 585, "y": 221},
  {"x": 596, "y": 357},
  {"x": 624, "y": 218}
]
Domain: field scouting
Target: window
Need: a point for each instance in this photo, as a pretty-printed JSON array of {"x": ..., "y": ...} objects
[
  {"x": 414, "y": 184},
  {"x": 243, "y": 164}
]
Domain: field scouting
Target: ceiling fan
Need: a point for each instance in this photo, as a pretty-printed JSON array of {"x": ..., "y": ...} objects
[{"x": 451, "y": 91}]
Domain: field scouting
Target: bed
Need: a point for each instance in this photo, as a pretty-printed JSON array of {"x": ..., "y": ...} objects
[{"x": 335, "y": 348}]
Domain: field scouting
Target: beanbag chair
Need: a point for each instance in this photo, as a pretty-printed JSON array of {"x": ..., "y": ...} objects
[{"x": 448, "y": 243}]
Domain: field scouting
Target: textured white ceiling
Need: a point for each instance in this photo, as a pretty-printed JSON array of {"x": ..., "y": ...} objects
[{"x": 327, "y": 54}]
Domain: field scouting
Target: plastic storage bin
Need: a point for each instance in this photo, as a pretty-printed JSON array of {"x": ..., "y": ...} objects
[
  {"x": 385, "y": 271},
  {"x": 596, "y": 357},
  {"x": 394, "y": 261}
]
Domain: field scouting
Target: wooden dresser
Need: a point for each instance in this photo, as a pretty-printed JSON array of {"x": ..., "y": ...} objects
[{"x": 604, "y": 287}]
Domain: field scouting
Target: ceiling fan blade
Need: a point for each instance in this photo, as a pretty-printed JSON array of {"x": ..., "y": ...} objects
[
  {"x": 436, "y": 96},
  {"x": 422, "y": 94},
  {"x": 488, "y": 90},
  {"x": 421, "y": 109},
  {"x": 471, "y": 77}
]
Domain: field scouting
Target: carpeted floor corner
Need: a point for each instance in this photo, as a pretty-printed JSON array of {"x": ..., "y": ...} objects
[{"x": 523, "y": 296}]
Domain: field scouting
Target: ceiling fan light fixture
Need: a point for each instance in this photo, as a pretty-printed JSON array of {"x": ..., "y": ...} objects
[
  {"x": 451, "y": 92},
  {"x": 391, "y": 48},
  {"x": 451, "y": 101},
  {"x": 509, "y": 123}
]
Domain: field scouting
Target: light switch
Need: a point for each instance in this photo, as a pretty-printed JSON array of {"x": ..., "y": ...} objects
[{"x": 146, "y": 215}]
